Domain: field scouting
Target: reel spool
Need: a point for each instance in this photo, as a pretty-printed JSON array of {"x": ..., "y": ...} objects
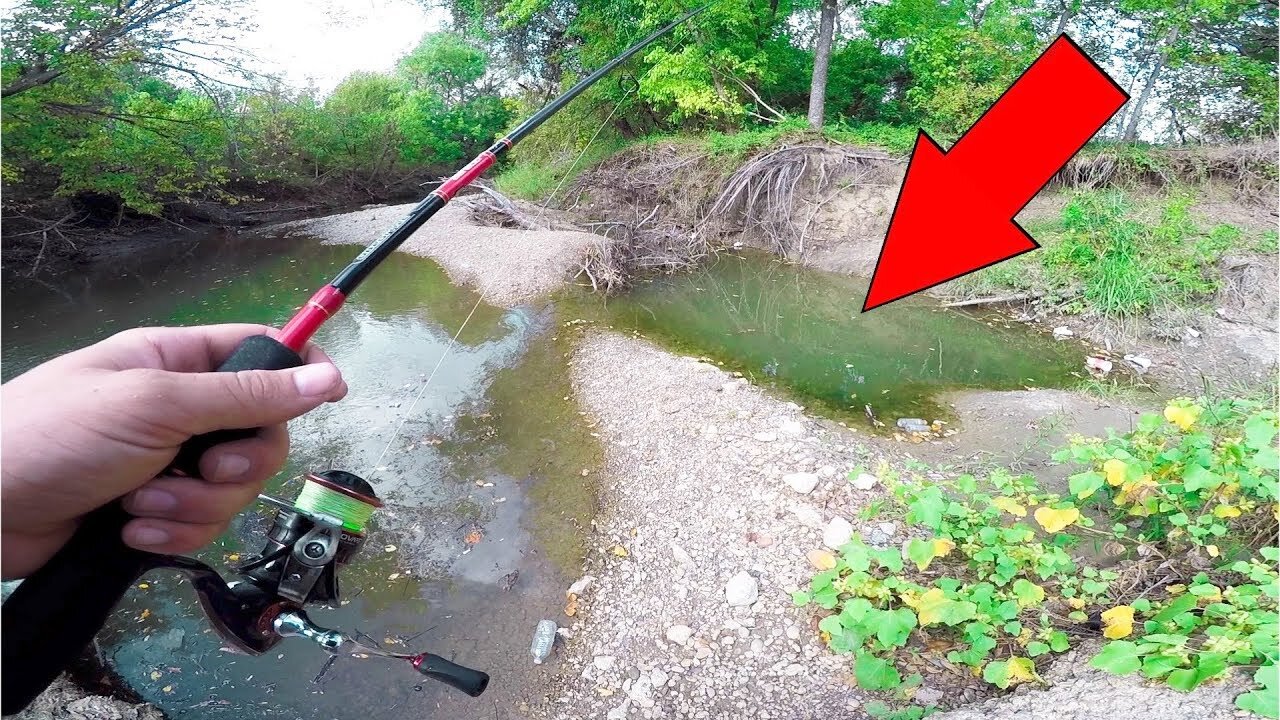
[{"x": 310, "y": 539}]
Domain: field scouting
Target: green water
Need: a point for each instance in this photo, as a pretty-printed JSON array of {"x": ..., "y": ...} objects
[{"x": 801, "y": 331}]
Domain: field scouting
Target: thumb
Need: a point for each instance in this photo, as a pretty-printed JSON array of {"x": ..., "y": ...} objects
[{"x": 209, "y": 401}]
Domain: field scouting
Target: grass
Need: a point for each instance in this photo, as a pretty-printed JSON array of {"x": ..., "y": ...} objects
[{"x": 1110, "y": 256}]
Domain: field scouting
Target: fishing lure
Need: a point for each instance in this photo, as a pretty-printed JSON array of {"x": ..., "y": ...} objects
[{"x": 56, "y": 611}]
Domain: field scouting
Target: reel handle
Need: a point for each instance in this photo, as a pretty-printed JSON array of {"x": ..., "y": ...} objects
[
  {"x": 471, "y": 682},
  {"x": 56, "y": 611}
]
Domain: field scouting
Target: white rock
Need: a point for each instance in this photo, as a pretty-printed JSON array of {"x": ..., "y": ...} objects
[
  {"x": 679, "y": 634},
  {"x": 837, "y": 533},
  {"x": 580, "y": 586},
  {"x": 1191, "y": 332},
  {"x": 658, "y": 678},
  {"x": 1141, "y": 363},
  {"x": 865, "y": 481},
  {"x": 826, "y": 471},
  {"x": 1062, "y": 331},
  {"x": 801, "y": 482},
  {"x": 729, "y": 387},
  {"x": 765, "y": 437},
  {"x": 680, "y": 555},
  {"x": 889, "y": 529},
  {"x": 792, "y": 428},
  {"x": 793, "y": 632},
  {"x": 928, "y": 696},
  {"x": 741, "y": 590},
  {"x": 620, "y": 712},
  {"x": 807, "y": 515},
  {"x": 603, "y": 663}
]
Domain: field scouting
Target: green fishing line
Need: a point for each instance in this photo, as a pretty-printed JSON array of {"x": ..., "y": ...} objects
[{"x": 318, "y": 499}]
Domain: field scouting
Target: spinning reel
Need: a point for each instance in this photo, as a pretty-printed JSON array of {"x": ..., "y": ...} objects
[{"x": 309, "y": 541}]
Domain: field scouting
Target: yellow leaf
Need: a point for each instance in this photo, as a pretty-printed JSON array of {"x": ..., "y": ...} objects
[
  {"x": 942, "y": 546},
  {"x": 1182, "y": 413},
  {"x": 1114, "y": 469},
  {"x": 1117, "y": 622},
  {"x": 619, "y": 551},
  {"x": 1055, "y": 520},
  {"x": 233, "y": 557},
  {"x": 821, "y": 559},
  {"x": 1021, "y": 670},
  {"x": 571, "y": 605},
  {"x": 1010, "y": 506},
  {"x": 155, "y": 674},
  {"x": 1226, "y": 511},
  {"x": 1075, "y": 603},
  {"x": 1212, "y": 550},
  {"x": 929, "y": 606},
  {"x": 146, "y": 613},
  {"x": 1177, "y": 589},
  {"x": 167, "y": 688}
]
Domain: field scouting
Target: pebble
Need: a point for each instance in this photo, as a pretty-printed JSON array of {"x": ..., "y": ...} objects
[
  {"x": 826, "y": 471},
  {"x": 680, "y": 555},
  {"x": 679, "y": 634},
  {"x": 837, "y": 533},
  {"x": 927, "y": 696},
  {"x": 603, "y": 663},
  {"x": 913, "y": 425},
  {"x": 1062, "y": 331},
  {"x": 658, "y": 678},
  {"x": 792, "y": 428},
  {"x": 865, "y": 481},
  {"x": 801, "y": 482},
  {"x": 793, "y": 632},
  {"x": 741, "y": 590},
  {"x": 765, "y": 437},
  {"x": 807, "y": 515}
]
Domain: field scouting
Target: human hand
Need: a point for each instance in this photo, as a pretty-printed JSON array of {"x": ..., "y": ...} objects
[{"x": 101, "y": 423}]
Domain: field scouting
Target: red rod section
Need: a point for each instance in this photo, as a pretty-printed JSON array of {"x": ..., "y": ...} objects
[{"x": 295, "y": 334}]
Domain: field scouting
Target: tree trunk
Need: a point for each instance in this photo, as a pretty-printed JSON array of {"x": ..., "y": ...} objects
[
  {"x": 821, "y": 60},
  {"x": 1131, "y": 130},
  {"x": 1064, "y": 17}
]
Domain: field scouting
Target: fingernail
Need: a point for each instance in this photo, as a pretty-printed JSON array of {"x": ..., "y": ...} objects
[
  {"x": 149, "y": 536},
  {"x": 317, "y": 379},
  {"x": 231, "y": 467},
  {"x": 152, "y": 500}
]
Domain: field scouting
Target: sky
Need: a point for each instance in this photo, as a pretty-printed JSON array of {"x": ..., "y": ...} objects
[{"x": 322, "y": 41}]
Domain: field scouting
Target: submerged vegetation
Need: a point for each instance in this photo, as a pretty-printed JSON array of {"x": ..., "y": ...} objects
[{"x": 1163, "y": 547}]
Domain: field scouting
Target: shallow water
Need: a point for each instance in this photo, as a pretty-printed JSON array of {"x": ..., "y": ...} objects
[
  {"x": 449, "y": 458},
  {"x": 801, "y": 330}
]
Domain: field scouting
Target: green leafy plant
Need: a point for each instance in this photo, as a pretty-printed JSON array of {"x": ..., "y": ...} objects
[{"x": 1002, "y": 571}]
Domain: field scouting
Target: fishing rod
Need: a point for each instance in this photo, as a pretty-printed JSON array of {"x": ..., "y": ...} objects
[{"x": 55, "y": 612}]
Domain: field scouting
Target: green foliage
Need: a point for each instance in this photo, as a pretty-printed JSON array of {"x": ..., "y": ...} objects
[{"x": 995, "y": 567}]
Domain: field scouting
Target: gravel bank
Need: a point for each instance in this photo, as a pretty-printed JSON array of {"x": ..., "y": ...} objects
[
  {"x": 707, "y": 478},
  {"x": 507, "y": 266},
  {"x": 695, "y": 496}
]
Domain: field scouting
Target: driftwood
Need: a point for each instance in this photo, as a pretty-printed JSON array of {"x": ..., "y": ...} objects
[{"x": 988, "y": 300}]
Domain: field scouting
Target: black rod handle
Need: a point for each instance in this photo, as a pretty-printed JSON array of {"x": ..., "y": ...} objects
[
  {"x": 471, "y": 682},
  {"x": 57, "y": 610}
]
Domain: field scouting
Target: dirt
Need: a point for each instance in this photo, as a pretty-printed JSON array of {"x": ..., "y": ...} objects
[{"x": 508, "y": 266}]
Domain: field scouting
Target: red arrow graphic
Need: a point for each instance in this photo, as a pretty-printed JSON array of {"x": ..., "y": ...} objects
[{"x": 955, "y": 209}]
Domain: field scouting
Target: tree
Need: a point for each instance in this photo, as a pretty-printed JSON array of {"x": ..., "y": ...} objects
[
  {"x": 821, "y": 61},
  {"x": 46, "y": 39}
]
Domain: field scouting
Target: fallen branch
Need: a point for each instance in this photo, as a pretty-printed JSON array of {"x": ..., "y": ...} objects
[{"x": 988, "y": 300}]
